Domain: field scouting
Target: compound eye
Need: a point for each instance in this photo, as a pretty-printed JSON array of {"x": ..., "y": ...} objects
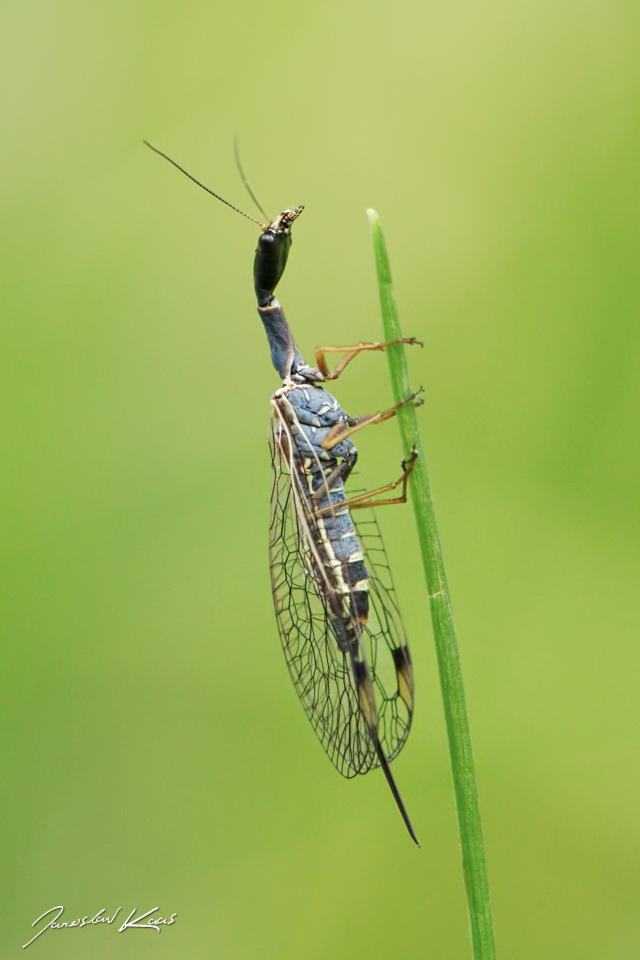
[{"x": 266, "y": 241}]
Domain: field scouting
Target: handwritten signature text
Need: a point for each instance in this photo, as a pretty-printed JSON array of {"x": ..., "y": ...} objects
[{"x": 153, "y": 923}]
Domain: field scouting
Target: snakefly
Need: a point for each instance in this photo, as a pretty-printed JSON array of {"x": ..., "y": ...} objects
[{"x": 342, "y": 633}]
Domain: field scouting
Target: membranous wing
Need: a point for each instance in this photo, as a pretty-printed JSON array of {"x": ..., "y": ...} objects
[{"x": 321, "y": 672}]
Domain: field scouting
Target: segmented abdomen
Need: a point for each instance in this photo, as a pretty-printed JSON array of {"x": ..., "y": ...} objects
[
  {"x": 339, "y": 622},
  {"x": 336, "y": 540}
]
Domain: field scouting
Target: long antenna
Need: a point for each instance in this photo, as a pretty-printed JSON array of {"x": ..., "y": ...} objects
[
  {"x": 236, "y": 150},
  {"x": 216, "y": 195}
]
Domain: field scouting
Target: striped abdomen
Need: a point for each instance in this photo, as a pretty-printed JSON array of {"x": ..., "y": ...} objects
[{"x": 344, "y": 581}]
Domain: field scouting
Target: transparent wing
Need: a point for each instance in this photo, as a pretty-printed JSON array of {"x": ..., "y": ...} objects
[
  {"x": 321, "y": 673},
  {"x": 384, "y": 637}
]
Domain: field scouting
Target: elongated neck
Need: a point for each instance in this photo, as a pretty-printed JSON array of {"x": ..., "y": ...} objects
[{"x": 285, "y": 355}]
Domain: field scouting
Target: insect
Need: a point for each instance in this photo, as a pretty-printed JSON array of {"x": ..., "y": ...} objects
[{"x": 341, "y": 629}]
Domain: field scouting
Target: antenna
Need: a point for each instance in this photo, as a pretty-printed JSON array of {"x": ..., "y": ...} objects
[
  {"x": 216, "y": 195},
  {"x": 236, "y": 150}
]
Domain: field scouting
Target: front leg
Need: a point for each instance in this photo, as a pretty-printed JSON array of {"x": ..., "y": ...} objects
[{"x": 351, "y": 352}]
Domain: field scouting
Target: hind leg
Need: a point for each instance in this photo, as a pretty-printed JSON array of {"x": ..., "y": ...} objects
[{"x": 364, "y": 499}]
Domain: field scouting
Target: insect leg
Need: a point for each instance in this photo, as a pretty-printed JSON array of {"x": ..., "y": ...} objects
[
  {"x": 364, "y": 499},
  {"x": 352, "y": 352},
  {"x": 338, "y": 432},
  {"x": 341, "y": 472}
]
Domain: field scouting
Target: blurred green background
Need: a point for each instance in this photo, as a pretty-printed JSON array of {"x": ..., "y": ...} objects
[{"x": 155, "y": 753}]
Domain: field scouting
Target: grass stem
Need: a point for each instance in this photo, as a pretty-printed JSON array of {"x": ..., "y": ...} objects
[{"x": 444, "y": 631}]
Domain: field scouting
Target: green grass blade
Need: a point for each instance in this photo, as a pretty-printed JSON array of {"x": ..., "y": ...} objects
[{"x": 448, "y": 655}]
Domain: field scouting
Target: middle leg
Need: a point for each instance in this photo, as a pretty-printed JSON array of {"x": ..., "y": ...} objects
[{"x": 339, "y": 432}]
